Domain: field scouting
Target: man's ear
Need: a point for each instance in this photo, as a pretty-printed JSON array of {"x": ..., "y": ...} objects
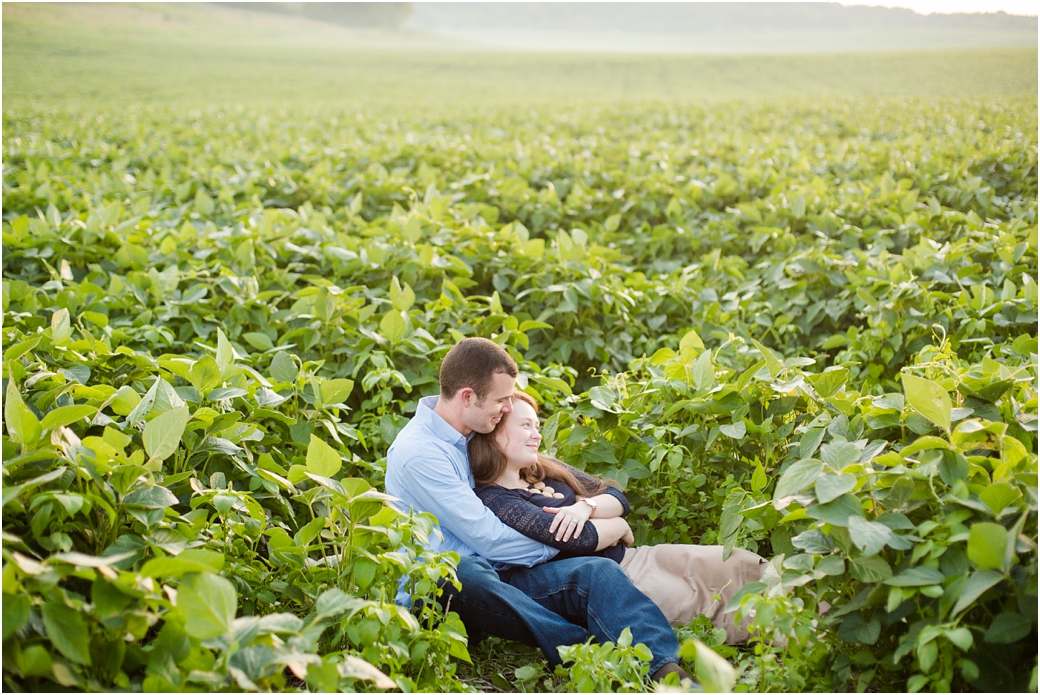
[{"x": 466, "y": 396}]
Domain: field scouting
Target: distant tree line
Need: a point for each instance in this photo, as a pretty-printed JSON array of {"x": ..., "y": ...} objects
[
  {"x": 370, "y": 15},
  {"x": 696, "y": 17}
]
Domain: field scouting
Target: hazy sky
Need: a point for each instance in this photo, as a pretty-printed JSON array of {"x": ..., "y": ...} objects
[{"x": 930, "y": 6}]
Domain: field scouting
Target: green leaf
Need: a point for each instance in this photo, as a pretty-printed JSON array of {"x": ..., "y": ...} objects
[
  {"x": 67, "y": 632},
  {"x": 364, "y": 572},
  {"x": 839, "y": 454},
  {"x": 737, "y": 430},
  {"x": 322, "y": 459},
  {"x": 773, "y": 364},
  {"x": 61, "y": 329},
  {"x": 204, "y": 374},
  {"x": 836, "y": 513},
  {"x": 868, "y": 536},
  {"x": 393, "y": 326},
  {"x": 22, "y": 425},
  {"x": 15, "y": 613},
  {"x": 225, "y": 355},
  {"x": 872, "y": 569},
  {"x": 986, "y": 543},
  {"x": 827, "y": 383},
  {"x": 152, "y": 497},
  {"x": 976, "y": 585},
  {"x": 401, "y": 297},
  {"x": 208, "y": 602},
  {"x": 925, "y": 443},
  {"x": 999, "y": 495},
  {"x": 713, "y": 672},
  {"x": 283, "y": 368},
  {"x": 1008, "y": 628},
  {"x": 66, "y": 415},
  {"x": 260, "y": 341},
  {"x": 929, "y": 399},
  {"x": 191, "y": 560},
  {"x": 334, "y": 601},
  {"x": 798, "y": 476},
  {"x": 162, "y": 435},
  {"x": 917, "y": 576},
  {"x": 336, "y": 390},
  {"x": 830, "y": 487},
  {"x": 704, "y": 371}
]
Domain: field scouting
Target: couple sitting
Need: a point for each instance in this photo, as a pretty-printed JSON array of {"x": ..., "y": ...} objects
[{"x": 545, "y": 553}]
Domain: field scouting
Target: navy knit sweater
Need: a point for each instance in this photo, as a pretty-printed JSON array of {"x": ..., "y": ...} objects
[{"x": 522, "y": 511}]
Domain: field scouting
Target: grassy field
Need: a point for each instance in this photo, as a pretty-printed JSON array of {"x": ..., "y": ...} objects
[{"x": 69, "y": 56}]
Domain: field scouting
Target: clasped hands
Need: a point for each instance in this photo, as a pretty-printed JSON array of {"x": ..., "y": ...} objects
[{"x": 570, "y": 522}]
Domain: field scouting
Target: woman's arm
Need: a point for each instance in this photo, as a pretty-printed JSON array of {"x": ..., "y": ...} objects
[{"x": 530, "y": 520}]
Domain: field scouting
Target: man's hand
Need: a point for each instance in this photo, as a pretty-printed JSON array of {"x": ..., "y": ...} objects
[{"x": 569, "y": 521}]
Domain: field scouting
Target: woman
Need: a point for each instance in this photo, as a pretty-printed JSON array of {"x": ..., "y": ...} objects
[{"x": 581, "y": 515}]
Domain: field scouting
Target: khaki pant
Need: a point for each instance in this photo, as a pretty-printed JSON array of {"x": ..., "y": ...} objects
[{"x": 682, "y": 580}]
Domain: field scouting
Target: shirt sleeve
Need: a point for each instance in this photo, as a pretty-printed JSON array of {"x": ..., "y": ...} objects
[
  {"x": 433, "y": 486},
  {"x": 586, "y": 479},
  {"x": 534, "y": 523}
]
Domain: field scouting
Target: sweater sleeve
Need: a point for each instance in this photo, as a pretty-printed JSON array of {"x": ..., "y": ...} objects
[
  {"x": 586, "y": 479},
  {"x": 530, "y": 520}
]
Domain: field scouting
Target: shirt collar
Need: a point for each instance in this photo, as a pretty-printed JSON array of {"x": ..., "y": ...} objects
[{"x": 438, "y": 425}]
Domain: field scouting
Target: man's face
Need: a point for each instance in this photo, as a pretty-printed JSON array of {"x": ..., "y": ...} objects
[{"x": 482, "y": 415}]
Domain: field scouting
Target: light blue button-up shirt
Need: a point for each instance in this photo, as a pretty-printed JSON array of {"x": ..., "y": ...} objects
[{"x": 427, "y": 468}]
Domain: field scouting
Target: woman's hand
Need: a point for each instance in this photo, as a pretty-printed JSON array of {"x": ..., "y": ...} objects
[
  {"x": 628, "y": 539},
  {"x": 569, "y": 521}
]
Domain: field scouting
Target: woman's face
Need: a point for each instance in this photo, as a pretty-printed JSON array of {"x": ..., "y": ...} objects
[{"x": 517, "y": 436}]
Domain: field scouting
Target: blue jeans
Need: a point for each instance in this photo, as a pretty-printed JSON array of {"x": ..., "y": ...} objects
[{"x": 557, "y": 604}]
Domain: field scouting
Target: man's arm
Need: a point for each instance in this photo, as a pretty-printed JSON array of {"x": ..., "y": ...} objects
[{"x": 433, "y": 486}]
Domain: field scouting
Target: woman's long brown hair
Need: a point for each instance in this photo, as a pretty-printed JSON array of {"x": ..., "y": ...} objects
[{"x": 488, "y": 462}]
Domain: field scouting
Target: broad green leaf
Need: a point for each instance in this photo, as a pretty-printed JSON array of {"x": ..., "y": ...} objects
[
  {"x": 798, "y": 476},
  {"x": 916, "y": 576},
  {"x": 125, "y": 400},
  {"x": 929, "y": 399},
  {"x": 322, "y": 459},
  {"x": 1008, "y": 628},
  {"x": 208, "y": 602},
  {"x": 925, "y": 443},
  {"x": 976, "y": 585},
  {"x": 283, "y": 368},
  {"x": 836, "y": 513},
  {"x": 402, "y": 298},
  {"x": 872, "y": 569},
  {"x": 66, "y": 415},
  {"x": 336, "y": 390},
  {"x": 828, "y": 382},
  {"x": 999, "y": 495},
  {"x": 15, "y": 613},
  {"x": 704, "y": 371},
  {"x": 333, "y": 602},
  {"x": 839, "y": 454},
  {"x": 736, "y": 430},
  {"x": 22, "y": 425},
  {"x": 61, "y": 328},
  {"x": 67, "y": 631},
  {"x": 152, "y": 497},
  {"x": 986, "y": 543},
  {"x": 830, "y": 487},
  {"x": 692, "y": 343},
  {"x": 205, "y": 374},
  {"x": 162, "y": 435},
  {"x": 773, "y": 364},
  {"x": 258, "y": 340},
  {"x": 714, "y": 673},
  {"x": 393, "y": 326},
  {"x": 869, "y": 536}
]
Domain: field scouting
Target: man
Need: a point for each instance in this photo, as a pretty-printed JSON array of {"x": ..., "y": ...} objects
[{"x": 508, "y": 588}]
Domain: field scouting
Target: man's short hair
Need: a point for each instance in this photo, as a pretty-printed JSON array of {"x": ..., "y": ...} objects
[{"x": 473, "y": 363}]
